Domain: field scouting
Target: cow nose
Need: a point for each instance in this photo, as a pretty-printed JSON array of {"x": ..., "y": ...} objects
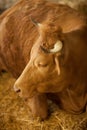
[{"x": 16, "y": 89}]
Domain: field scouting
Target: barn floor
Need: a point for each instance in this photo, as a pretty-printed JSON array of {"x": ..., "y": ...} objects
[{"x": 15, "y": 114}]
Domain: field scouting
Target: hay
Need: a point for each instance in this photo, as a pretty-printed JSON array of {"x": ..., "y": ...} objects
[{"x": 15, "y": 114}]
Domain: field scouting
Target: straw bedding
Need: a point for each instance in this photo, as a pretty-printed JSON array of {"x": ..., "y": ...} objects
[{"x": 15, "y": 114}]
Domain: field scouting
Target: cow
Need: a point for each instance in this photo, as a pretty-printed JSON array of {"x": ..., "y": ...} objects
[{"x": 44, "y": 46}]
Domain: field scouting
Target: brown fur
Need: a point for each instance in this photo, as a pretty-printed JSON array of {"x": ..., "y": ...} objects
[{"x": 20, "y": 42}]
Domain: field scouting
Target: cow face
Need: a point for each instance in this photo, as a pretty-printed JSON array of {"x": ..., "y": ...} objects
[
  {"x": 42, "y": 72},
  {"x": 45, "y": 73}
]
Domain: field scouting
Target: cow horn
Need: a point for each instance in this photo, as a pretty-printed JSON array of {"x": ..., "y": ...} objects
[
  {"x": 57, "y": 47},
  {"x": 35, "y": 22},
  {"x": 39, "y": 24}
]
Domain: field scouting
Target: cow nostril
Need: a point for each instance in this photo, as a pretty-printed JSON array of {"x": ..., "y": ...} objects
[{"x": 17, "y": 89}]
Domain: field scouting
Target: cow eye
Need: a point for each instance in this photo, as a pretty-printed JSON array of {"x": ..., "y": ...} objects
[{"x": 42, "y": 64}]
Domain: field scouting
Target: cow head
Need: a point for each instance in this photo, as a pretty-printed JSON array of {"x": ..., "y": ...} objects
[{"x": 52, "y": 64}]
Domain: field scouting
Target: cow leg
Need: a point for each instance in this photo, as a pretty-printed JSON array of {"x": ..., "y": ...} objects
[{"x": 39, "y": 106}]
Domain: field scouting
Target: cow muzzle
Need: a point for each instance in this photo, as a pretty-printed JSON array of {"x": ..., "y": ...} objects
[
  {"x": 18, "y": 90},
  {"x": 24, "y": 93}
]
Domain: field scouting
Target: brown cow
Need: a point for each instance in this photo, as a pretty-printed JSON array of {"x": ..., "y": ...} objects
[{"x": 54, "y": 51}]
